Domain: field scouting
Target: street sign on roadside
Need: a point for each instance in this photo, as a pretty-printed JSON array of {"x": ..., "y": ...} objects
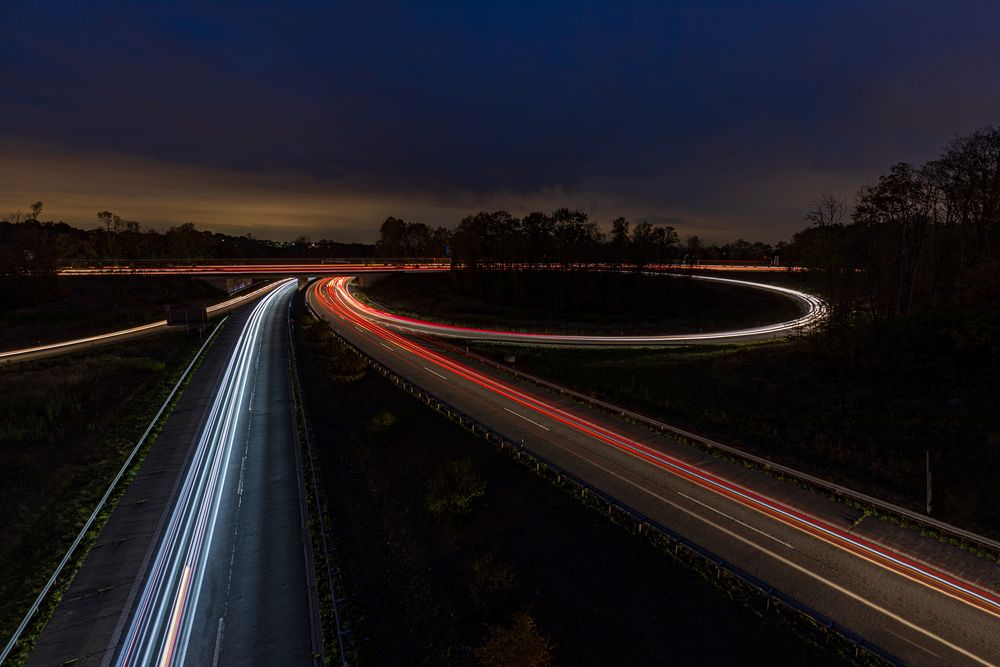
[{"x": 190, "y": 317}]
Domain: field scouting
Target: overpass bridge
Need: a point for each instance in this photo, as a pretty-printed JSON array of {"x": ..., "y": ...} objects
[
  {"x": 252, "y": 268},
  {"x": 271, "y": 268}
]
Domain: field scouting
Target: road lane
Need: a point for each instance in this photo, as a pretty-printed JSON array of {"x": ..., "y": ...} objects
[
  {"x": 228, "y": 582},
  {"x": 903, "y": 610},
  {"x": 254, "y": 606}
]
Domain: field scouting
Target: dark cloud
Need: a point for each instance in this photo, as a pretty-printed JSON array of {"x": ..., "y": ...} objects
[{"x": 712, "y": 112}]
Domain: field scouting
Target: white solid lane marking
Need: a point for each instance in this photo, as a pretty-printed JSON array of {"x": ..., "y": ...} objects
[
  {"x": 516, "y": 414},
  {"x": 387, "y": 347},
  {"x": 732, "y": 518},
  {"x": 435, "y": 373},
  {"x": 359, "y": 328}
]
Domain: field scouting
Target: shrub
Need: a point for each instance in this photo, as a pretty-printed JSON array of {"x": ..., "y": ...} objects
[
  {"x": 381, "y": 422},
  {"x": 517, "y": 644},
  {"x": 454, "y": 488}
]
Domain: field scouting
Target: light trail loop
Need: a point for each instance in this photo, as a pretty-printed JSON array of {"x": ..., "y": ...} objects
[{"x": 814, "y": 313}]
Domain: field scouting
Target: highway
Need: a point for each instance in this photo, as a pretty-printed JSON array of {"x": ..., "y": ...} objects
[
  {"x": 814, "y": 312},
  {"x": 920, "y": 599},
  {"x": 227, "y": 584}
]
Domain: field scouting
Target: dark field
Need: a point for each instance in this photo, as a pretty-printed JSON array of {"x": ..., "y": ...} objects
[
  {"x": 579, "y": 302},
  {"x": 66, "y": 426},
  {"x": 428, "y": 579},
  {"x": 83, "y": 306}
]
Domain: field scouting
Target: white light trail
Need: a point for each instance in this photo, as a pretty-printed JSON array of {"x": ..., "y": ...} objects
[
  {"x": 814, "y": 312},
  {"x": 163, "y": 618},
  {"x": 124, "y": 334}
]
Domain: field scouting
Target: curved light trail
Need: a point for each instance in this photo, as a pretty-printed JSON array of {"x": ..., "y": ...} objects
[
  {"x": 50, "y": 349},
  {"x": 162, "y": 621},
  {"x": 814, "y": 312},
  {"x": 334, "y": 296}
]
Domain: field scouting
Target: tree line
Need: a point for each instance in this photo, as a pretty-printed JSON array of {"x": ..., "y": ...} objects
[
  {"x": 31, "y": 250},
  {"x": 30, "y": 246},
  {"x": 922, "y": 238},
  {"x": 564, "y": 237}
]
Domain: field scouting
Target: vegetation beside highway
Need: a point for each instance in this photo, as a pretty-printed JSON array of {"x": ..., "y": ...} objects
[
  {"x": 578, "y": 302},
  {"x": 453, "y": 554},
  {"x": 66, "y": 427}
]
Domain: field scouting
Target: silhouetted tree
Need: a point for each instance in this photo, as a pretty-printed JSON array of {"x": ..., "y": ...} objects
[
  {"x": 390, "y": 243},
  {"x": 620, "y": 241}
]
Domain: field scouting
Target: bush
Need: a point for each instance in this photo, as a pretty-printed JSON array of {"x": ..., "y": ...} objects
[
  {"x": 489, "y": 580},
  {"x": 454, "y": 488},
  {"x": 517, "y": 644},
  {"x": 381, "y": 422}
]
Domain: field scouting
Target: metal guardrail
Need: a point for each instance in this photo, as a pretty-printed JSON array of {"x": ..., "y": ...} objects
[
  {"x": 836, "y": 490},
  {"x": 12, "y": 642},
  {"x": 643, "y": 524}
]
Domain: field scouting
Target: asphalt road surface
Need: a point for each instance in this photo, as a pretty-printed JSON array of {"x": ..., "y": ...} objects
[
  {"x": 918, "y": 598},
  {"x": 228, "y": 583}
]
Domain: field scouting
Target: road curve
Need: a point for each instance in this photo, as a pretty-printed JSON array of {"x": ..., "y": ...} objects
[
  {"x": 814, "y": 312},
  {"x": 78, "y": 344},
  {"x": 924, "y": 601}
]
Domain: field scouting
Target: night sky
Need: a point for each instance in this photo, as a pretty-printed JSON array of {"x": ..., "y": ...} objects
[{"x": 722, "y": 118}]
